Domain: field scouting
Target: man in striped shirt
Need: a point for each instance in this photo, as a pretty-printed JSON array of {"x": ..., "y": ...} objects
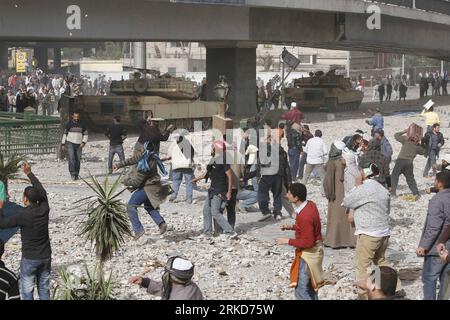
[
  {"x": 74, "y": 139},
  {"x": 9, "y": 285}
]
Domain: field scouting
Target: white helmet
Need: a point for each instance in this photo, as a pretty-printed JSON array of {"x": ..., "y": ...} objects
[{"x": 293, "y": 104}]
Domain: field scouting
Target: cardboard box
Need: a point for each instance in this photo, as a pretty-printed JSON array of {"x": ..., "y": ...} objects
[{"x": 415, "y": 132}]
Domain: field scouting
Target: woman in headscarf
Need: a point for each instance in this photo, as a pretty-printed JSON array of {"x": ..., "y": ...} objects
[
  {"x": 176, "y": 281},
  {"x": 339, "y": 232}
]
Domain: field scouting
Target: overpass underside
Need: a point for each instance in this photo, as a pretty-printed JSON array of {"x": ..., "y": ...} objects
[{"x": 230, "y": 33}]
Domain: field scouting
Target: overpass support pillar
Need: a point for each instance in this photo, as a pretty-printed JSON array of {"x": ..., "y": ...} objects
[
  {"x": 3, "y": 56},
  {"x": 41, "y": 54},
  {"x": 238, "y": 64},
  {"x": 140, "y": 55},
  {"x": 56, "y": 60}
]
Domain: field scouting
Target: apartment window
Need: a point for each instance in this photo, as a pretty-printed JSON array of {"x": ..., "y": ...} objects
[
  {"x": 179, "y": 44},
  {"x": 307, "y": 59}
]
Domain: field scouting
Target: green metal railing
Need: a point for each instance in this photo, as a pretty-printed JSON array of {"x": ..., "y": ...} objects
[{"x": 28, "y": 133}]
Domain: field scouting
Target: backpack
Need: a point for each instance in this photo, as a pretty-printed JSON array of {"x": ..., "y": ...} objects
[
  {"x": 134, "y": 179},
  {"x": 136, "y": 176}
]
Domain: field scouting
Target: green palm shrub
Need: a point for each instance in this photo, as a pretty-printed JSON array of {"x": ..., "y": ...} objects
[
  {"x": 106, "y": 227},
  {"x": 107, "y": 223}
]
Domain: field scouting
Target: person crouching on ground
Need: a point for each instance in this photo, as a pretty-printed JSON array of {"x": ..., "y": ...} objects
[
  {"x": 306, "y": 271},
  {"x": 371, "y": 204},
  {"x": 382, "y": 283},
  {"x": 176, "y": 281},
  {"x": 443, "y": 167}
]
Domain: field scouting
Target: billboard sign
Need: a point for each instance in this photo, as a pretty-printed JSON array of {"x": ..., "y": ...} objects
[{"x": 21, "y": 61}]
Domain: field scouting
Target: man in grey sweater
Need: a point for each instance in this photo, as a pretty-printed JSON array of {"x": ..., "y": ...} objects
[
  {"x": 437, "y": 221},
  {"x": 371, "y": 203}
]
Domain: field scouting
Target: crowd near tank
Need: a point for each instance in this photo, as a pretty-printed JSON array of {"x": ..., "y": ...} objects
[{"x": 326, "y": 91}]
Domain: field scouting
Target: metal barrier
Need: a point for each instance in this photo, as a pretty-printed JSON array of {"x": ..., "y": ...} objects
[
  {"x": 28, "y": 133},
  {"x": 438, "y": 6}
]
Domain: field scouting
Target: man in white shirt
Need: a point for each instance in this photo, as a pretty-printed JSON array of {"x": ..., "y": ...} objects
[
  {"x": 316, "y": 151},
  {"x": 371, "y": 202}
]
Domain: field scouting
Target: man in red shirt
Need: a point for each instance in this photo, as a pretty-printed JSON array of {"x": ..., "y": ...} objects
[
  {"x": 294, "y": 115},
  {"x": 306, "y": 271}
]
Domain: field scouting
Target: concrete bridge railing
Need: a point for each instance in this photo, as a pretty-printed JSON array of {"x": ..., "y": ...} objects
[{"x": 436, "y": 6}]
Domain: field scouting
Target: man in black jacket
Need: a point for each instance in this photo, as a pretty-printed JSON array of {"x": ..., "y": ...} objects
[
  {"x": 9, "y": 284},
  {"x": 35, "y": 265},
  {"x": 294, "y": 139},
  {"x": 116, "y": 134},
  {"x": 20, "y": 102},
  {"x": 433, "y": 140},
  {"x": 152, "y": 132}
]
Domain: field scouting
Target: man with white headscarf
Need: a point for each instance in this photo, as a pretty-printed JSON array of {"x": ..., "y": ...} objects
[{"x": 176, "y": 281}]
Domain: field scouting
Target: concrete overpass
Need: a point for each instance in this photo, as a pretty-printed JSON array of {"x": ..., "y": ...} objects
[{"x": 231, "y": 32}]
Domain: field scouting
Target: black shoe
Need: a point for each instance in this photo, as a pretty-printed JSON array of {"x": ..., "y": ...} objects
[
  {"x": 162, "y": 228},
  {"x": 74, "y": 178},
  {"x": 77, "y": 178},
  {"x": 265, "y": 217}
]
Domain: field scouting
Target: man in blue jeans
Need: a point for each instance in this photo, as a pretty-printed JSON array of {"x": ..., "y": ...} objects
[
  {"x": 138, "y": 198},
  {"x": 35, "y": 265},
  {"x": 74, "y": 140},
  {"x": 219, "y": 193},
  {"x": 437, "y": 221},
  {"x": 148, "y": 188},
  {"x": 182, "y": 155}
]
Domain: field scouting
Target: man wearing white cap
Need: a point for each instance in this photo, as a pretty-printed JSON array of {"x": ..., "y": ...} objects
[
  {"x": 430, "y": 116},
  {"x": 294, "y": 115},
  {"x": 176, "y": 281}
]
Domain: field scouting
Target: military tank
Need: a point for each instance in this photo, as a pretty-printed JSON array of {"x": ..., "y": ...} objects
[
  {"x": 165, "y": 86},
  {"x": 170, "y": 98},
  {"x": 326, "y": 91}
]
